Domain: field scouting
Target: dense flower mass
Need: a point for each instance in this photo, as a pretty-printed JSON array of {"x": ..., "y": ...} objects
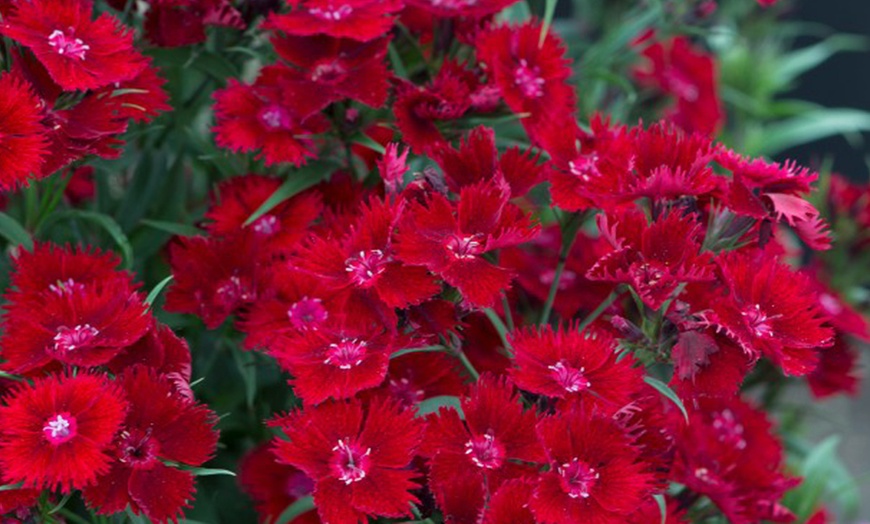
[{"x": 429, "y": 261}]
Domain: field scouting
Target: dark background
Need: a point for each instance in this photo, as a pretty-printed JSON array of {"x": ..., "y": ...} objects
[{"x": 842, "y": 81}]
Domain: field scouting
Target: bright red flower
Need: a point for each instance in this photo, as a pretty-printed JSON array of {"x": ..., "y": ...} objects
[
  {"x": 161, "y": 425},
  {"x": 532, "y": 78},
  {"x": 688, "y": 74},
  {"x": 654, "y": 258},
  {"x": 277, "y": 116},
  {"x": 140, "y": 98},
  {"x": 347, "y": 68},
  {"x": 357, "y": 457},
  {"x": 415, "y": 377},
  {"x": 595, "y": 475},
  {"x": 450, "y": 240},
  {"x": 56, "y": 433},
  {"x": 769, "y": 310},
  {"x": 461, "y": 8},
  {"x": 510, "y": 503},
  {"x": 707, "y": 364},
  {"x": 162, "y": 350},
  {"x": 361, "y": 20},
  {"x": 470, "y": 460},
  {"x": 23, "y": 137},
  {"x": 572, "y": 365},
  {"x": 58, "y": 270},
  {"x": 728, "y": 452},
  {"x": 274, "y": 486},
  {"x": 79, "y": 53},
  {"x": 173, "y": 23}
]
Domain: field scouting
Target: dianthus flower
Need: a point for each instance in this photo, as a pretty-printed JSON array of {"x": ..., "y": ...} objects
[
  {"x": 274, "y": 486},
  {"x": 358, "y": 457},
  {"x": 173, "y": 23},
  {"x": 23, "y": 136},
  {"x": 361, "y": 20}
]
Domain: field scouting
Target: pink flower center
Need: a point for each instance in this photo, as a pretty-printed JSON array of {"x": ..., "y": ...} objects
[
  {"x": 65, "y": 287},
  {"x": 328, "y": 72},
  {"x": 267, "y": 225},
  {"x": 485, "y": 451},
  {"x": 577, "y": 478},
  {"x": 571, "y": 379},
  {"x": 60, "y": 428},
  {"x": 275, "y": 117},
  {"x": 366, "y": 266},
  {"x": 233, "y": 291},
  {"x": 529, "y": 80},
  {"x": 331, "y": 12},
  {"x": 464, "y": 247},
  {"x": 67, "y": 46},
  {"x": 403, "y": 390},
  {"x": 758, "y": 321},
  {"x": 346, "y": 354},
  {"x": 350, "y": 463},
  {"x": 728, "y": 430},
  {"x": 68, "y": 339},
  {"x": 137, "y": 449},
  {"x": 585, "y": 167},
  {"x": 307, "y": 313}
]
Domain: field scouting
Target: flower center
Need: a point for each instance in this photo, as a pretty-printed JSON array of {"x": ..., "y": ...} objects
[
  {"x": 232, "y": 291},
  {"x": 464, "y": 247},
  {"x": 365, "y": 266},
  {"x": 585, "y": 167},
  {"x": 572, "y": 379},
  {"x": 60, "y": 428},
  {"x": 65, "y": 287},
  {"x": 728, "y": 430},
  {"x": 275, "y": 117},
  {"x": 67, "y": 46},
  {"x": 403, "y": 390},
  {"x": 577, "y": 478},
  {"x": 346, "y": 354},
  {"x": 328, "y": 72},
  {"x": 137, "y": 449},
  {"x": 350, "y": 462},
  {"x": 331, "y": 12},
  {"x": 68, "y": 339},
  {"x": 758, "y": 321},
  {"x": 485, "y": 451},
  {"x": 529, "y": 80},
  {"x": 267, "y": 225},
  {"x": 307, "y": 313}
]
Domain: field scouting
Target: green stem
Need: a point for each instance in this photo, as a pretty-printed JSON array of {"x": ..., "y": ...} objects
[
  {"x": 466, "y": 363},
  {"x": 569, "y": 228},
  {"x": 72, "y": 517},
  {"x": 508, "y": 316},
  {"x": 501, "y": 328},
  {"x": 611, "y": 298},
  {"x": 422, "y": 349}
]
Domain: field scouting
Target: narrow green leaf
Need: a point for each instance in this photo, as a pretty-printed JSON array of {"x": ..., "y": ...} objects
[
  {"x": 14, "y": 232},
  {"x": 433, "y": 404},
  {"x": 247, "y": 370},
  {"x": 366, "y": 141},
  {"x": 152, "y": 296},
  {"x": 300, "y": 506},
  {"x": 102, "y": 220},
  {"x": 663, "y": 506},
  {"x": 175, "y": 228},
  {"x": 807, "y": 128},
  {"x": 215, "y": 65},
  {"x": 549, "y": 12},
  {"x": 396, "y": 60},
  {"x": 9, "y": 376},
  {"x": 209, "y": 472},
  {"x": 792, "y": 65},
  {"x": 515, "y": 14},
  {"x": 666, "y": 391},
  {"x": 10, "y": 487},
  {"x": 298, "y": 181},
  {"x": 421, "y": 349}
]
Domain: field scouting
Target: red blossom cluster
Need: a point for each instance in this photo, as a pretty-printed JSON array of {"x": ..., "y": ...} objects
[{"x": 472, "y": 331}]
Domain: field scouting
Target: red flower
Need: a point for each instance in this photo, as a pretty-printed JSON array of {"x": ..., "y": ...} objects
[
  {"x": 595, "y": 475},
  {"x": 451, "y": 243},
  {"x": 510, "y": 503},
  {"x": 461, "y": 8},
  {"x": 689, "y": 75},
  {"x": 274, "y": 486},
  {"x": 23, "y": 137},
  {"x": 162, "y": 350},
  {"x": 173, "y": 23},
  {"x": 56, "y": 433},
  {"x": 58, "y": 270},
  {"x": 161, "y": 425},
  {"x": 769, "y": 310},
  {"x": 654, "y": 258},
  {"x": 79, "y": 53},
  {"x": 361, "y": 20},
  {"x": 470, "y": 460},
  {"x": 276, "y": 115},
  {"x": 415, "y": 377},
  {"x": 837, "y": 371},
  {"x": 707, "y": 364},
  {"x": 358, "y": 458},
  {"x": 140, "y": 98},
  {"x": 347, "y": 68},
  {"x": 572, "y": 365}
]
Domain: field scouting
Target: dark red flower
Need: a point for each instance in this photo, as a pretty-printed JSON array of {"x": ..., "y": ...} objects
[
  {"x": 415, "y": 377},
  {"x": 568, "y": 364},
  {"x": 56, "y": 433},
  {"x": 836, "y": 372},
  {"x": 357, "y": 457},
  {"x": 707, "y": 364},
  {"x": 470, "y": 460},
  {"x": 596, "y": 472},
  {"x": 140, "y": 98},
  {"x": 361, "y": 20},
  {"x": 460, "y": 8},
  {"x": 450, "y": 240},
  {"x": 274, "y": 486},
  {"x": 162, "y": 350},
  {"x": 23, "y": 137},
  {"x": 173, "y": 23},
  {"x": 161, "y": 425},
  {"x": 78, "y": 52},
  {"x": 277, "y": 116}
]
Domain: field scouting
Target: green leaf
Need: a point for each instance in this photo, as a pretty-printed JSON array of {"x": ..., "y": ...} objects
[
  {"x": 102, "y": 220},
  {"x": 806, "y": 128},
  {"x": 208, "y": 472},
  {"x": 174, "y": 228},
  {"x": 549, "y": 12},
  {"x": 663, "y": 506},
  {"x": 14, "y": 232},
  {"x": 515, "y": 14},
  {"x": 298, "y": 181},
  {"x": 215, "y": 65},
  {"x": 396, "y": 61},
  {"x": 10, "y": 487},
  {"x": 792, "y": 65},
  {"x": 666, "y": 391},
  {"x": 299, "y": 507},
  {"x": 152, "y": 296},
  {"x": 825, "y": 480},
  {"x": 247, "y": 370},
  {"x": 366, "y": 141},
  {"x": 433, "y": 404}
]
